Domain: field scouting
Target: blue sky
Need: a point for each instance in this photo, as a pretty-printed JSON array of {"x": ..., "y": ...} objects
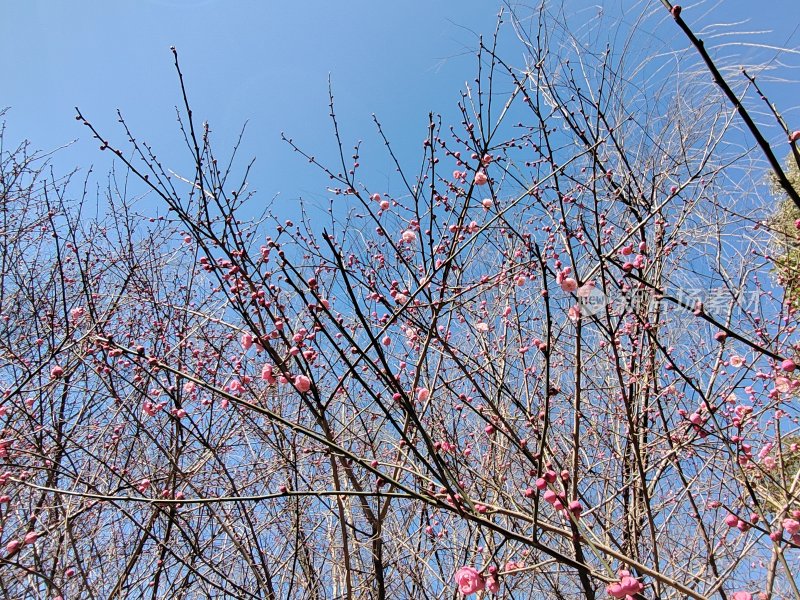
[{"x": 268, "y": 63}]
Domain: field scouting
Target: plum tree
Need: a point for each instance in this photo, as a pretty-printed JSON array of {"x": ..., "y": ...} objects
[{"x": 550, "y": 361}]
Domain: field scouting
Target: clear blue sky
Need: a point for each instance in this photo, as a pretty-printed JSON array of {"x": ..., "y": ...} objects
[{"x": 268, "y": 62}]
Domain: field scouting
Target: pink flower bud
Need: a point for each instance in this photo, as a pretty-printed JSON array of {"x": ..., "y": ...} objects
[
  {"x": 13, "y": 546},
  {"x": 31, "y": 537}
]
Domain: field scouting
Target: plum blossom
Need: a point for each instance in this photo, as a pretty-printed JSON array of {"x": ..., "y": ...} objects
[
  {"x": 627, "y": 586},
  {"x": 302, "y": 383},
  {"x": 782, "y": 384},
  {"x": 736, "y": 361},
  {"x": 792, "y": 526},
  {"x": 492, "y": 584},
  {"x": 469, "y": 580},
  {"x": 513, "y": 566},
  {"x": 574, "y": 312},
  {"x": 569, "y": 285},
  {"x": 247, "y": 341}
]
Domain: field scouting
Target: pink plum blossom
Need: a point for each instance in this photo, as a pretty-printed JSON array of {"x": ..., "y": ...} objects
[
  {"x": 626, "y": 586},
  {"x": 469, "y": 580},
  {"x": 247, "y": 341},
  {"x": 302, "y": 383},
  {"x": 569, "y": 285},
  {"x": 792, "y": 526}
]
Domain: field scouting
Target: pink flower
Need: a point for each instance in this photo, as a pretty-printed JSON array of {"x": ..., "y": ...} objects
[
  {"x": 626, "y": 586},
  {"x": 736, "y": 361},
  {"x": 423, "y": 394},
  {"x": 569, "y": 285},
  {"x": 487, "y": 203},
  {"x": 788, "y": 365},
  {"x": 247, "y": 341},
  {"x": 782, "y": 384},
  {"x": 409, "y": 236},
  {"x": 512, "y": 566},
  {"x": 795, "y": 136},
  {"x": 267, "y": 374},
  {"x": 481, "y": 178},
  {"x": 492, "y": 584},
  {"x": 56, "y": 372},
  {"x": 302, "y": 383},
  {"x": 469, "y": 580},
  {"x": 792, "y": 526},
  {"x": 742, "y": 596}
]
